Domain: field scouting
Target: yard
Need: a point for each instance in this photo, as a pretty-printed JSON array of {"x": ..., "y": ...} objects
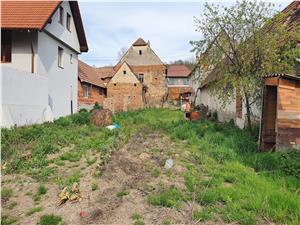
[{"x": 217, "y": 177}]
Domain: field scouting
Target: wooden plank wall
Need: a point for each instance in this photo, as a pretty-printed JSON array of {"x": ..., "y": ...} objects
[{"x": 288, "y": 114}]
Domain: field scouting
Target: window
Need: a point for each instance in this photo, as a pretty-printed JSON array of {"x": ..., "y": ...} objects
[
  {"x": 141, "y": 77},
  {"x": 140, "y": 52},
  {"x": 61, "y": 15},
  {"x": 5, "y": 46},
  {"x": 60, "y": 57},
  {"x": 69, "y": 22},
  {"x": 124, "y": 71},
  {"x": 186, "y": 81},
  {"x": 85, "y": 91},
  {"x": 171, "y": 81},
  {"x": 71, "y": 58}
]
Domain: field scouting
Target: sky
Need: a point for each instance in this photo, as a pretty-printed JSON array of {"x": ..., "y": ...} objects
[{"x": 169, "y": 26}]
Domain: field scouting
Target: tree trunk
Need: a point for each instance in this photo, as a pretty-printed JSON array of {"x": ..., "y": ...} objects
[{"x": 248, "y": 112}]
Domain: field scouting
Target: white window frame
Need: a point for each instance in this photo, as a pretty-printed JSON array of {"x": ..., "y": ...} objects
[{"x": 86, "y": 90}]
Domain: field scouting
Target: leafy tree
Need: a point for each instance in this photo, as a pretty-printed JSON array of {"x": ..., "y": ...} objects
[{"x": 240, "y": 44}]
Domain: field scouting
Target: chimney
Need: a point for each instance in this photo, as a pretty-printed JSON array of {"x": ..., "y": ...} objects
[
  {"x": 297, "y": 67},
  {"x": 148, "y": 43}
]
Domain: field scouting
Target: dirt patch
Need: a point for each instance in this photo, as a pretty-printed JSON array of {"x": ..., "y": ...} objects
[{"x": 131, "y": 174}]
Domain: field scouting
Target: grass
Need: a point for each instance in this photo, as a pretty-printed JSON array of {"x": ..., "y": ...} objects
[
  {"x": 50, "y": 220},
  {"x": 122, "y": 193},
  {"x": 94, "y": 187},
  {"x": 7, "y": 220},
  {"x": 138, "y": 219},
  {"x": 225, "y": 172},
  {"x": 34, "y": 210},
  {"x": 6, "y": 193}
]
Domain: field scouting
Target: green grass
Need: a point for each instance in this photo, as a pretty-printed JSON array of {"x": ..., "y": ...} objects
[
  {"x": 122, "y": 193},
  {"x": 136, "y": 216},
  {"x": 6, "y": 193},
  {"x": 7, "y": 220},
  {"x": 225, "y": 172},
  {"x": 34, "y": 210},
  {"x": 170, "y": 197},
  {"x": 50, "y": 220}
]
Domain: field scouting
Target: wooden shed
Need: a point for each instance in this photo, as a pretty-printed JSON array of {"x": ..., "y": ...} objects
[{"x": 280, "y": 121}]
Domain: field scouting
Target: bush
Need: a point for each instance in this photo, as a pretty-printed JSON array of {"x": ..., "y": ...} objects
[
  {"x": 81, "y": 118},
  {"x": 97, "y": 106}
]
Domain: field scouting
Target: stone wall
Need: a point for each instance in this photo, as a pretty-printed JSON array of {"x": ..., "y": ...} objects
[{"x": 155, "y": 82}]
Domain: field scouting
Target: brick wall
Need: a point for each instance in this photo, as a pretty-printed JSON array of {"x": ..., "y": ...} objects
[
  {"x": 174, "y": 92},
  {"x": 123, "y": 97},
  {"x": 96, "y": 94},
  {"x": 156, "y": 82}
]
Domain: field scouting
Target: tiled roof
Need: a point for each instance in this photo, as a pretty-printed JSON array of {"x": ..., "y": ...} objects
[
  {"x": 26, "y": 14},
  {"x": 92, "y": 75},
  {"x": 36, "y": 14},
  {"x": 178, "y": 71},
  {"x": 284, "y": 75},
  {"x": 140, "y": 42}
]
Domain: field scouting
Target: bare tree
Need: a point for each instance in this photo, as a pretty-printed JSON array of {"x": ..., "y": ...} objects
[{"x": 122, "y": 52}]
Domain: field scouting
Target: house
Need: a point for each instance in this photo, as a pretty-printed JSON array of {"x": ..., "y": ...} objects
[
  {"x": 236, "y": 108},
  {"x": 150, "y": 70},
  {"x": 40, "y": 44},
  {"x": 92, "y": 84},
  {"x": 280, "y": 121},
  {"x": 179, "y": 83},
  {"x": 124, "y": 91}
]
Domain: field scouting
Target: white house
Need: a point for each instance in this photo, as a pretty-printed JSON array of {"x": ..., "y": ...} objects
[{"x": 40, "y": 44}]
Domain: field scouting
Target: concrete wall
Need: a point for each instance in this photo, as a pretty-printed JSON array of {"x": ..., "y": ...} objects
[
  {"x": 24, "y": 98},
  {"x": 229, "y": 111},
  {"x": 60, "y": 31}
]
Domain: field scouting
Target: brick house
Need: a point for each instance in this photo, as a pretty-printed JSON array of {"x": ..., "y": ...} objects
[
  {"x": 149, "y": 68},
  {"x": 179, "y": 83},
  {"x": 92, "y": 84},
  {"x": 124, "y": 91},
  {"x": 40, "y": 44}
]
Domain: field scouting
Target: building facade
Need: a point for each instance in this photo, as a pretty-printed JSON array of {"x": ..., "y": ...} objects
[{"x": 40, "y": 41}]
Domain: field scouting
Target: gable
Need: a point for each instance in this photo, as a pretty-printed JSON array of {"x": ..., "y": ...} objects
[
  {"x": 60, "y": 31},
  {"x": 147, "y": 56},
  {"x": 120, "y": 77}
]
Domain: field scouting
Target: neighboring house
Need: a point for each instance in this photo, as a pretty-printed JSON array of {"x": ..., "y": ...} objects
[
  {"x": 280, "y": 122},
  {"x": 92, "y": 83},
  {"x": 150, "y": 70},
  {"x": 236, "y": 109},
  {"x": 40, "y": 44},
  {"x": 124, "y": 91},
  {"x": 179, "y": 83}
]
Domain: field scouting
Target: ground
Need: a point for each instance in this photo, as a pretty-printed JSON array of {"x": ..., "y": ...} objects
[{"x": 217, "y": 176}]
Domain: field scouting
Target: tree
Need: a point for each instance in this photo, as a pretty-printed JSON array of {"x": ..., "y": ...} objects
[
  {"x": 122, "y": 52},
  {"x": 242, "y": 43}
]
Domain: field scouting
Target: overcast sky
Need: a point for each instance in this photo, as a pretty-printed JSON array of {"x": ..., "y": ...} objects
[{"x": 169, "y": 27}]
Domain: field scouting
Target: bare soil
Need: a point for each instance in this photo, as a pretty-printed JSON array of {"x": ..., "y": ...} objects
[{"x": 130, "y": 170}]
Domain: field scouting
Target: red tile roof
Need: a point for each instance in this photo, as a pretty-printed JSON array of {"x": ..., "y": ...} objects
[
  {"x": 36, "y": 14},
  {"x": 178, "y": 71},
  {"x": 92, "y": 75},
  {"x": 140, "y": 42}
]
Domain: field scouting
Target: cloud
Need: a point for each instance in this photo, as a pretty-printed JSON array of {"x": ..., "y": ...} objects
[{"x": 110, "y": 26}]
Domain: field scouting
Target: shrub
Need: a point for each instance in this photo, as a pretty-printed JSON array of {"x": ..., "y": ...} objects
[
  {"x": 81, "y": 118},
  {"x": 97, "y": 106},
  {"x": 50, "y": 220}
]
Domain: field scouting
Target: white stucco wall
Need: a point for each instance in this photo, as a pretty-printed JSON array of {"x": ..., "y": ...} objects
[
  {"x": 24, "y": 97},
  {"x": 60, "y": 31},
  {"x": 21, "y": 49},
  {"x": 61, "y": 81}
]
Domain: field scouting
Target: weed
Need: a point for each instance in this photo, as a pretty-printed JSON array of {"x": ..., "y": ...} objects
[
  {"x": 136, "y": 216},
  {"x": 94, "y": 187},
  {"x": 166, "y": 222},
  {"x": 138, "y": 222},
  {"x": 7, "y": 220},
  {"x": 6, "y": 193},
  {"x": 202, "y": 215},
  {"x": 12, "y": 205},
  {"x": 122, "y": 193},
  {"x": 34, "y": 210},
  {"x": 50, "y": 220},
  {"x": 41, "y": 190},
  {"x": 170, "y": 197}
]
